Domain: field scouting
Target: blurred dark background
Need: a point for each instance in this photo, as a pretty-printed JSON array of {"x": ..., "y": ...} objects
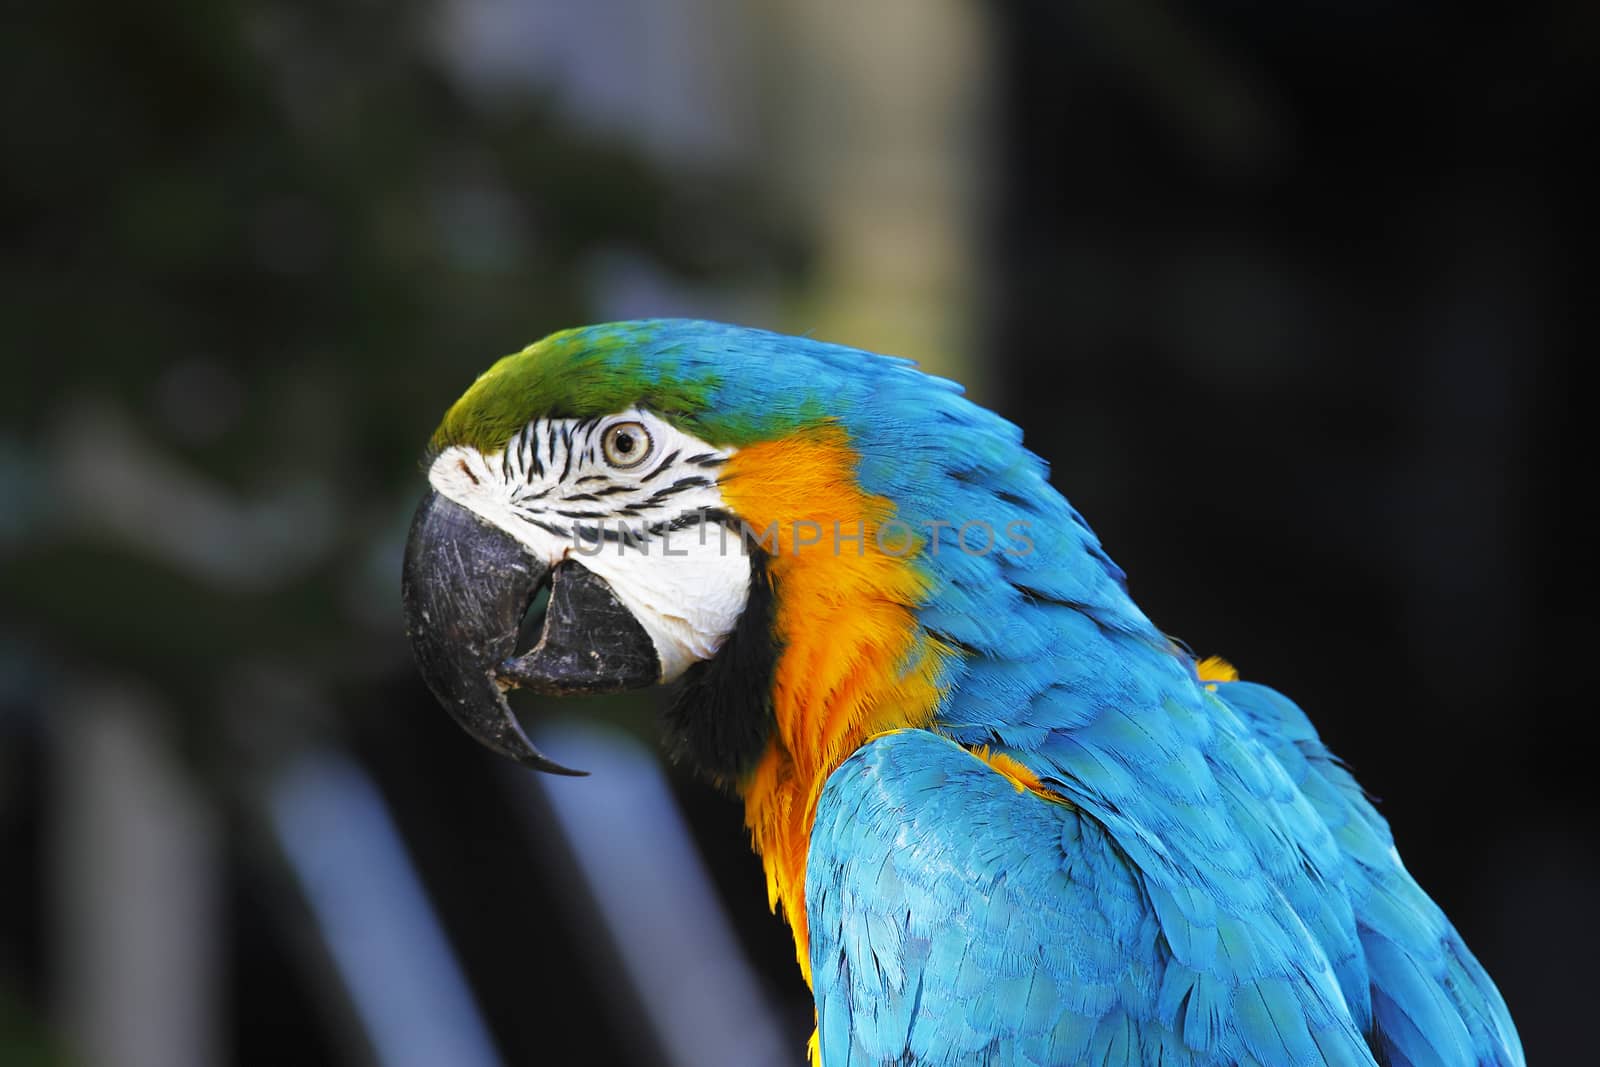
[{"x": 1288, "y": 295}]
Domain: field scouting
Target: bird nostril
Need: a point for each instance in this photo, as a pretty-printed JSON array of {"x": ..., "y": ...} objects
[{"x": 532, "y": 627}]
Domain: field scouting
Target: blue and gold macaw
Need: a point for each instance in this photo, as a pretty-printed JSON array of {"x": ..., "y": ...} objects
[{"x": 1009, "y": 821}]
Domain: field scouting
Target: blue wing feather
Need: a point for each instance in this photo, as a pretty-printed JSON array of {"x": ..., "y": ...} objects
[
  {"x": 1216, "y": 890},
  {"x": 1007, "y": 928},
  {"x": 1431, "y": 1001}
]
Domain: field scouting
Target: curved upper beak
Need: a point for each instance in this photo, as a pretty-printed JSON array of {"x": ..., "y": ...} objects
[{"x": 466, "y": 586}]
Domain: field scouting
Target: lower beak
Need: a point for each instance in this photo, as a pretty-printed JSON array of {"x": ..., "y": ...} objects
[{"x": 466, "y": 586}]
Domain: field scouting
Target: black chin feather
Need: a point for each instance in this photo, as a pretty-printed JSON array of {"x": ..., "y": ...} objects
[{"x": 721, "y": 718}]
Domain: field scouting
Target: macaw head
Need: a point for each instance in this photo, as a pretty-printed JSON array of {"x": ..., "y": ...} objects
[{"x": 699, "y": 498}]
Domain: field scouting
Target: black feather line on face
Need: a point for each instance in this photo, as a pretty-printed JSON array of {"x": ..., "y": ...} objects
[
  {"x": 566, "y": 455},
  {"x": 663, "y": 465},
  {"x": 721, "y": 719}
]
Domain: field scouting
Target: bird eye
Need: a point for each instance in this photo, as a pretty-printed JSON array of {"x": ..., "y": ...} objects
[{"x": 626, "y": 444}]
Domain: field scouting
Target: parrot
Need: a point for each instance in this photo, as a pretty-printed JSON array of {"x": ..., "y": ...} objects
[{"x": 1007, "y": 818}]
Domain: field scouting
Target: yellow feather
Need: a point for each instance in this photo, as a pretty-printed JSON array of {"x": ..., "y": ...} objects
[
  {"x": 1216, "y": 669},
  {"x": 845, "y": 621},
  {"x": 1019, "y": 774}
]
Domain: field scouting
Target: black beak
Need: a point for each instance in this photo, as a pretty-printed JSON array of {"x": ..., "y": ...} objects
[{"x": 466, "y": 586}]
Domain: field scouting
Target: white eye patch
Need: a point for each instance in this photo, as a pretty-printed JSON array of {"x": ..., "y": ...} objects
[{"x": 631, "y": 498}]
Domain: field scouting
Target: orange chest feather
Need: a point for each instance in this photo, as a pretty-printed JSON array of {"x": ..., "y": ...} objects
[{"x": 854, "y": 662}]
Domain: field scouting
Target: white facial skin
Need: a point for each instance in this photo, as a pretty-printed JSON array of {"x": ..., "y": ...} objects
[{"x": 624, "y": 495}]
